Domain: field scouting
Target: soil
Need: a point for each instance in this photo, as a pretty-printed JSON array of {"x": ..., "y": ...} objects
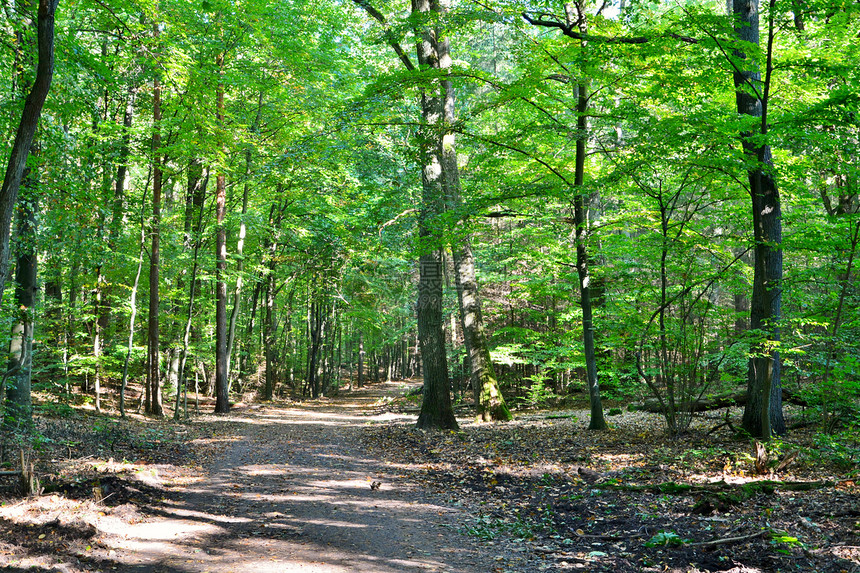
[{"x": 348, "y": 484}]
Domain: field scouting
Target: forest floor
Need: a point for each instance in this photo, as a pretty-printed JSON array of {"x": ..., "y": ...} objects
[{"x": 348, "y": 484}]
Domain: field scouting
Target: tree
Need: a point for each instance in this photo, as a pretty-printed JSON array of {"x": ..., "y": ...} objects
[
  {"x": 489, "y": 401},
  {"x": 764, "y": 388},
  {"x": 763, "y": 411},
  {"x": 26, "y": 129},
  {"x": 153, "y": 400},
  {"x": 18, "y": 413},
  {"x": 436, "y": 409},
  {"x": 580, "y": 221},
  {"x": 222, "y": 402}
]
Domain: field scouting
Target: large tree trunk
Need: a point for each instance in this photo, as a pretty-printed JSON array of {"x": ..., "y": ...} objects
[
  {"x": 221, "y": 389},
  {"x": 489, "y": 402},
  {"x": 153, "y": 401},
  {"x": 19, "y": 407},
  {"x": 766, "y": 302},
  {"x": 26, "y": 130},
  {"x": 436, "y": 408},
  {"x": 18, "y": 414}
]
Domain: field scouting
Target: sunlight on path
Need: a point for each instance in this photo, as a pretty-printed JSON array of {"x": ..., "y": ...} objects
[{"x": 295, "y": 495}]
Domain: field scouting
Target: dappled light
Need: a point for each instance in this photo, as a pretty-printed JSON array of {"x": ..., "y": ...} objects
[
  {"x": 329, "y": 489},
  {"x": 290, "y": 491}
]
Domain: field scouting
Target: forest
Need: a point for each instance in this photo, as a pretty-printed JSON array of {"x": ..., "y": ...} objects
[{"x": 514, "y": 206}]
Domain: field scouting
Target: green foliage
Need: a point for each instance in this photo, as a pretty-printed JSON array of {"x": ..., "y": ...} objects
[
  {"x": 538, "y": 393},
  {"x": 842, "y": 449},
  {"x": 321, "y": 123},
  {"x": 665, "y": 539},
  {"x": 55, "y": 409},
  {"x": 518, "y": 526}
]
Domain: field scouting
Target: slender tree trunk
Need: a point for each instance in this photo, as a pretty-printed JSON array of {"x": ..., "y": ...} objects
[
  {"x": 192, "y": 286},
  {"x": 240, "y": 244},
  {"x": 580, "y": 218},
  {"x": 830, "y": 347},
  {"x": 221, "y": 388},
  {"x": 122, "y": 168},
  {"x": 360, "y": 381},
  {"x": 315, "y": 329},
  {"x": 26, "y": 130},
  {"x": 766, "y": 302},
  {"x": 153, "y": 404},
  {"x": 133, "y": 305},
  {"x": 270, "y": 349}
]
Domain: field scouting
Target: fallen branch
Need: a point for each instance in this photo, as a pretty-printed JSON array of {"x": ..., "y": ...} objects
[
  {"x": 725, "y": 540},
  {"x": 747, "y": 488},
  {"x": 580, "y": 533},
  {"x": 654, "y": 406}
]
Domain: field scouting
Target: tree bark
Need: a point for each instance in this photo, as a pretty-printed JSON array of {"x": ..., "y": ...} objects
[
  {"x": 19, "y": 406},
  {"x": 436, "y": 408},
  {"x": 222, "y": 404},
  {"x": 766, "y": 302},
  {"x": 240, "y": 244},
  {"x": 153, "y": 401},
  {"x": 489, "y": 401},
  {"x": 580, "y": 217},
  {"x": 26, "y": 130}
]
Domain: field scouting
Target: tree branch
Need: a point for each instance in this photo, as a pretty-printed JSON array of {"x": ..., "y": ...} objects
[
  {"x": 388, "y": 34},
  {"x": 568, "y": 30}
]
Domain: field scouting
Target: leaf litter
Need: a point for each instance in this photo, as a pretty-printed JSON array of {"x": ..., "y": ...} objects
[{"x": 540, "y": 493}]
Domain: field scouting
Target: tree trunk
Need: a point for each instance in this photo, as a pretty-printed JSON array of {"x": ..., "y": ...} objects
[
  {"x": 360, "y": 381},
  {"x": 490, "y": 403},
  {"x": 122, "y": 167},
  {"x": 133, "y": 305},
  {"x": 222, "y": 404},
  {"x": 316, "y": 324},
  {"x": 436, "y": 408},
  {"x": 580, "y": 218},
  {"x": 18, "y": 413},
  {"x": 240, "y": 244},
  {"x": 153, "y": 402},
  {"x": 19, "y": 407},
  {"x": 26, "y": 130},
  {"x": 766, "y": 302},
  {"x": 269, "y": 325}
]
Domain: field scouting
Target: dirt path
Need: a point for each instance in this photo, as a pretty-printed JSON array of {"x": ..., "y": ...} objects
[{"x": 294, "y": 494}]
